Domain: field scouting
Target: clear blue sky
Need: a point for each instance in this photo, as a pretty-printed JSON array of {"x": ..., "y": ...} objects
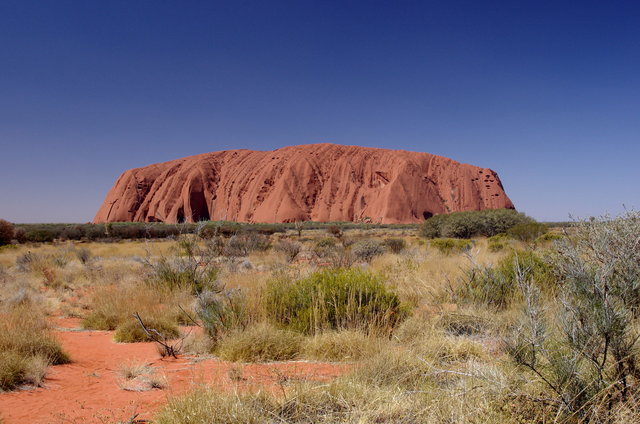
[{"x": 545, "y": 93}]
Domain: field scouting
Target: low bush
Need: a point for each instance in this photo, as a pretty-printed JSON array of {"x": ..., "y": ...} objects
[
  {"x": 447, "y": 246},
  {"x": 130, "y": 331},
  {"x": 193, "y": 266},
  {"x": 84, "y": 255},
  {"x": 366, "y": 250},
  {"x": 527, "y": 231},
  {"x": 336, "y": 231},
  {"x": 7, "y": 232},
  {"x": 222, "y": 311},
  {"x": 333, "y": 299},
  {"x": 291, "y": 249},
  {"x": 548, "y": 237},
  {"x": 472, "y": 223},
  {"x": 327, "y": 251},
  {"x": 496, "y": 285},
  {"x": 243, "y": 244},
  {"x": 261, "y": 343},
  {"x": 395, "y": 245},
  {"x": 498, "y": 242},
  {"x": 586, "y": 351}
]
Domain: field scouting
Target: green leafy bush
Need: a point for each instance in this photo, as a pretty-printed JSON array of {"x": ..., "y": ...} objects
[
  {"x": 450, "y": 245},
  {"x": 333, "y": 299},
  {"x": 527, "y": 231},
  {"x": 472, "y": 223}
]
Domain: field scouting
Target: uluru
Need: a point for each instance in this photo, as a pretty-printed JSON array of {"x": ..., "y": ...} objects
[{"x": 315, "y": 182}]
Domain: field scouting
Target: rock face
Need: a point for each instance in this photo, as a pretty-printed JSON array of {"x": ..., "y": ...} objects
[{"x": 317, "y": 182}]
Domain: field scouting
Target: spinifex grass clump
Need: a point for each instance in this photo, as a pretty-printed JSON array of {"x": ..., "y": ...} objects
[
  {"x": 334, "y": 299},
  {"x": 260, "y": 343},
  {"x": 26, "y": 347},
  {"x": 496, "y": 285},
  {"x": 131, "y": 331}
]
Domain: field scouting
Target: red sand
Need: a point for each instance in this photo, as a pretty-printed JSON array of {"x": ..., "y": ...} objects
[
  {"x": 88, "y": 390},
  {"x": 315, "y": 182}
]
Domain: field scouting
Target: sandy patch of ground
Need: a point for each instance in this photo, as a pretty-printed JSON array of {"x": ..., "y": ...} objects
[{"x": 90, "y": 389}]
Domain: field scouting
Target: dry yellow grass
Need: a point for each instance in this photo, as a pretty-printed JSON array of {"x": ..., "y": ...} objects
[{"x": 446, "y": 363}]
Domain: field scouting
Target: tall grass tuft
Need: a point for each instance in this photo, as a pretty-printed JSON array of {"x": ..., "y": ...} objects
[
  {"x": 25, "y": 343},
  {"x": 333, "y": 299}
]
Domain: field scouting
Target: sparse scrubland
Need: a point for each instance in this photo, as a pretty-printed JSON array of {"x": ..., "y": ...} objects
[{"x": 479, "y": 317}]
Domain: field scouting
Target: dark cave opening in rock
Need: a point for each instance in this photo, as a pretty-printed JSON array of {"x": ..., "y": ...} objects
[
  {"x": 427, "y": 214},
  {"x": 198, "y": 205},
  {"x": 180, "y": 216}
]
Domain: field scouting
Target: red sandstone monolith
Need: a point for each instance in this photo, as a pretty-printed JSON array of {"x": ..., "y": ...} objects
[{"x": 316, "y": 182}]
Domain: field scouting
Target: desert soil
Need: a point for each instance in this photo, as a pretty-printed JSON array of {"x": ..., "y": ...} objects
[{"x": 91, "y": 389}]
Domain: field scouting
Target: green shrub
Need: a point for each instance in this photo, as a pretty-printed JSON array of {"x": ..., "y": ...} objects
[
  {"x": 222, "y": 312},
  {"x": 131, "y": 331},
  {"x": 243, "y": 244},
  {"x": 366, "y": 250},
  {"x": 472, "y": 223},
  {"x": 548, "y": 237},
  {"x": 325, "y": 242},
  {"x": 395, "y": 245},
  {"x": 449, "y": 245},
  {"x": 259, "y": 344},
  {"x": 498, "y": 242},
  {"x": 585, "y": 351},
  {"x": 497, "y": 285},
  {"x": 333, "y": 299},
  {"x": 336, "y": 255},
  {"x": 7, "y": 232},
  {"x": 180, "y": 273},
  {"x": 527, "y": 231},
  {"x": 193, "y": 267}
]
